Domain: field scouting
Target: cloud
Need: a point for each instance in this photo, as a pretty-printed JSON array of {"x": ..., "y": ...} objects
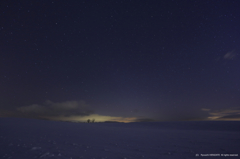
[
  {"x": 75, "y": 111},
  {"x": 35, "y": 108},
  {"x": 225, "y": 114},
  {"x": 234, "y": 116},
  {"x": 50, "y": 108},
  {"x": 204, "y": 109},
  {"x": 230, "y": 55}
]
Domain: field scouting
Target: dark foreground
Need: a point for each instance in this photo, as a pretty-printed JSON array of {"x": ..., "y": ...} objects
[{"x": 30, "y": 139}]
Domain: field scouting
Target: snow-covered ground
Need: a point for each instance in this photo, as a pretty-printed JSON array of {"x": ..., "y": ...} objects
[{"x": 30, "y": 139}]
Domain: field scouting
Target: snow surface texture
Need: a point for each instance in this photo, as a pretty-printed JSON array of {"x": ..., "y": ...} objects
[{"x": 30, "y": 139}]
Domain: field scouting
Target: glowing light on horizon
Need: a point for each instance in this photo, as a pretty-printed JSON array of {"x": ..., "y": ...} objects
[{"x": 98, "y": 118}]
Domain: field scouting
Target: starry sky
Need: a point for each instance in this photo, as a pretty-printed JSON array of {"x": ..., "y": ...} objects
[{"x": 122, "y": 60}]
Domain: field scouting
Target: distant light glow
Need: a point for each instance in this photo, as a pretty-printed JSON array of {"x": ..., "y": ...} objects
[{"x": 98, "y": 118}]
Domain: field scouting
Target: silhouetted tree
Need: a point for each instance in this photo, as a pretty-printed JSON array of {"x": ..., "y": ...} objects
[{"x": 88, "y": 120}]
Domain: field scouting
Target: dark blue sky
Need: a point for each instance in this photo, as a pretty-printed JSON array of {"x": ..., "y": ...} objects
[{"x": 128, "y": 60}]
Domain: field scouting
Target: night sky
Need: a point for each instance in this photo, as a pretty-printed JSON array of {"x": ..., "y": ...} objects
[{"x": 120, "y": 60}]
